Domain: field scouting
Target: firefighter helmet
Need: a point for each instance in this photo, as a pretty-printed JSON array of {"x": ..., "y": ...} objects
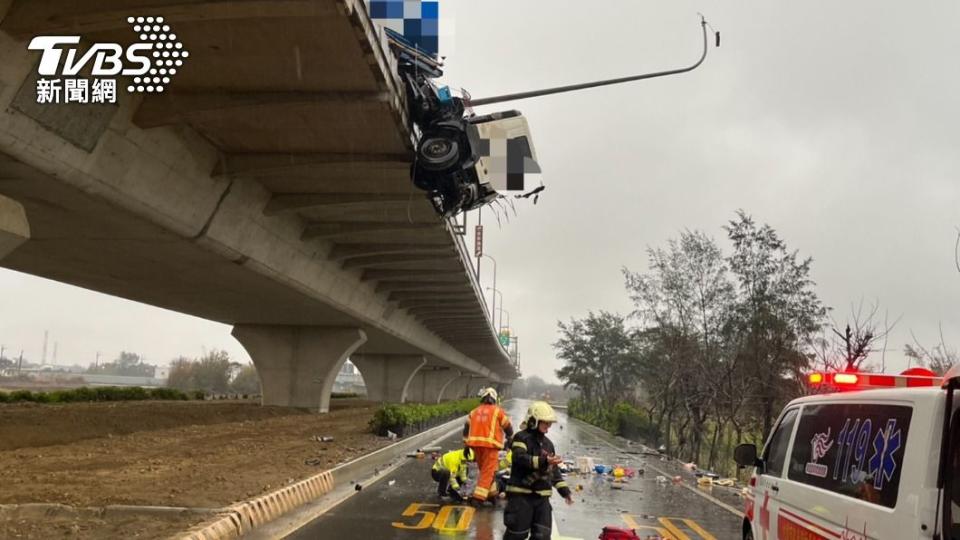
[
  {"x": 540, "y": 411},
  {"x": 490, "y": 392}
]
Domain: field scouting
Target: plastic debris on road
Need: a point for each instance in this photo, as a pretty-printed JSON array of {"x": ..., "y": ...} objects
[
  {"x": 391, "y": 435},
  {"x": 725, "y": 482},
  {"x": 585, "y": 464},
  {"x": 392, "y": 482},
  {"x": 662, "y": 479}
]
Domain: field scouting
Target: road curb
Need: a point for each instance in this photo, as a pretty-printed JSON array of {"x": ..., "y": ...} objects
[{"x": 243, "y": 517}]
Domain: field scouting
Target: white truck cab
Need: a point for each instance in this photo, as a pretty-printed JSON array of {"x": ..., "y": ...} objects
[{"x": 874, "y": 459}]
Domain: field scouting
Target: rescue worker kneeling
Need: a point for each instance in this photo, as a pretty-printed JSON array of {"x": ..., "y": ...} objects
[
  {"x": 532, "y": 476},
  {"x": 450, "y": 471}
]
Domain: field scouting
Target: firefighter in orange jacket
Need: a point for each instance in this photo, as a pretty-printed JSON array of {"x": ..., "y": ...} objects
[{"x": 485, "y": 433}]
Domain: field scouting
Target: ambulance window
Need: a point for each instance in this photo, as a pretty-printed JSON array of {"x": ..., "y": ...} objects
[
  {"x": 854, "y": 449},
  {"x": 776, "y": 451}
]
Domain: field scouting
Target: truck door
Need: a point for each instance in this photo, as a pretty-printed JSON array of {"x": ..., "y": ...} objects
[{"x": 768, "y": 482}]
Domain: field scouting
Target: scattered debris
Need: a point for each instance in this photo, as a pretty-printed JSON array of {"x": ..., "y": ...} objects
[
  {"x": 585, "y": 464},
  {"x": 426, "y": 449},
  {"x": 725, "y": 482},
  {"x": 662, "y": 479},
  {"x": 704, "y": 481},
  {"x": 323, "y": 438},
  {"x": 391, "y": 435},
  {"x": 677, "y": 479},
  {"x": 392, "y": 482},
  {"x": 313, "y": 462},
  {"x": 418, "y": 454},
  {"x": 357, "y": 487}
]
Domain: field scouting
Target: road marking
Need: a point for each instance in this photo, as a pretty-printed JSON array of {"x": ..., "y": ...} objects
[
  {"x": 669, "y": 529},
  {"x": 710, "y": 498}
]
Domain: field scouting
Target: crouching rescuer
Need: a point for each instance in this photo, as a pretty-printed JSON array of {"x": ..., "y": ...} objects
[
  {"x": 484, "y": 433},
  {"x": 450, "y": 471},
  {"x": 533, "y": 475}
]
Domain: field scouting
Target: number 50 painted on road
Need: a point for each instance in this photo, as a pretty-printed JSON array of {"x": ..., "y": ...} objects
[{"x": 438, "y": 519}]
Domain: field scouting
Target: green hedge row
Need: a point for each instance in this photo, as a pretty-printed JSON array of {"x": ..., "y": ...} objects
[
  {"x": 620, "y": 419},
  {"x": 407, "y": 418},
  {"x": 101, "y": 393}
]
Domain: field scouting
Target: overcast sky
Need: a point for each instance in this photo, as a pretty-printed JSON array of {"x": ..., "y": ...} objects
[{"x": 834, "y": 122}]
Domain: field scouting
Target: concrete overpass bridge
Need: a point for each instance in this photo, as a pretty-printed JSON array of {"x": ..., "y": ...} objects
[{"x": 266, "y": 188}]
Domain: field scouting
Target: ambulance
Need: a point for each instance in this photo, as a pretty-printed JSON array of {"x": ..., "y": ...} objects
[{"x": 868, "y": 456}]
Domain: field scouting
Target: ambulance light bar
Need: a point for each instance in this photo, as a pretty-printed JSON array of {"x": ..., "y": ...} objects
[{"x": 911, "y": 378}]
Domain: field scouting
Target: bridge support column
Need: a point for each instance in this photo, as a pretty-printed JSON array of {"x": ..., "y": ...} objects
[
  {"x": 429, "y": 382},
  {"x": 453, "y": 387},
  {"x": 388, "y": 376},
  {"x": 298, "y": 364},
  {"x": 14, "y": 227}
]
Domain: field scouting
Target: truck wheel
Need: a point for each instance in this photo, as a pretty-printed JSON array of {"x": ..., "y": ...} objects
[{"x": 439, "y": 153}]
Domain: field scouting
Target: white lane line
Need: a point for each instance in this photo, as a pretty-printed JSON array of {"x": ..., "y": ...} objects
[{"x": 710, "y": 498}]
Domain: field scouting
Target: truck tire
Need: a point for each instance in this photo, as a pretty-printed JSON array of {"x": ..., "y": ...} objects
[{"x": 438, "y": 153}]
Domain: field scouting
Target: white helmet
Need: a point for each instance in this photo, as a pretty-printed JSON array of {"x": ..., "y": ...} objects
[{"x": 491, "y": 392}]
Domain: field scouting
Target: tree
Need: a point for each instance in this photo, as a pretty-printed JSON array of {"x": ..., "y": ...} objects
[
  {"x": 246, "y": 380},
  {"x": 939, "y": 358},
  {"x": 128, "y": 364},
  {"x": 599, "y": 357},
  {"x": 210, "y": 373},
  {"x": 778, "y": 312}
]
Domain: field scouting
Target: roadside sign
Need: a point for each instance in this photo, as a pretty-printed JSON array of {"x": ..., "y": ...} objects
[{"x": 478, "y": 241}]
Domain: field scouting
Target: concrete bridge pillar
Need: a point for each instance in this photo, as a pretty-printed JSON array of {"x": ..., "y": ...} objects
[
  {"x": 429, "y": 382},
  {"x": 388, "y": 376},
  {"x": 454, "y": 387},
  {"x": 298, "y": 364},
  {"x": 14, "y": 227}
]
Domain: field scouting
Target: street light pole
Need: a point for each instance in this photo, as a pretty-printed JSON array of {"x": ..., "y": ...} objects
[
  {"x": 493, "y": 308},
  {"x": 496, "y": 292}
]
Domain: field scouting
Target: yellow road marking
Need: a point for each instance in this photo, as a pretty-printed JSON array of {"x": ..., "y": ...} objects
[
  {"x": 699, "y": 530},
  {"x": 677, "y": 533}
]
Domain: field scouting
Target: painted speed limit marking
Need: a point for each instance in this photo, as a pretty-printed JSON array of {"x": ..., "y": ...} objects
[
  {"x": 669, "y": 528},
  {"x": 448, "y": 519}
]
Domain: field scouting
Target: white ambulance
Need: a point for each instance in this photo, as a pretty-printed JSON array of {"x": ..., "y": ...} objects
[{"x": 875, "y": 457}]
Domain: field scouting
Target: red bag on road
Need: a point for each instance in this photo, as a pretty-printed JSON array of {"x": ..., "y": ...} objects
[{"x": 617, "y": 533}]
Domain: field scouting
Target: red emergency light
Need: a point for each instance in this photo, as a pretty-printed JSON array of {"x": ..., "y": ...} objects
[{"x": 911, "y": 378}]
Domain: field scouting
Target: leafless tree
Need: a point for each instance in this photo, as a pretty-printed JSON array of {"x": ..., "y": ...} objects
[
  {"x": 860, "y": 336},
  {"x": 938, "y": 358}
]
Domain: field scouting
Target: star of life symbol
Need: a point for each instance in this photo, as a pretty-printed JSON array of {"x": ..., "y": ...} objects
[
  {"x": 152, "y": 62},
  {"x": 819, "y": 446},
  {"x": 885, "y": 445}
]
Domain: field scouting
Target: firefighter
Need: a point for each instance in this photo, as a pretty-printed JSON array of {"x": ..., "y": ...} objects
[
  {"x": 450, "y": 470},
  {"x": 484, "y": 432},
  {"x": 534, "y": 471},
  {"x": 503, "y": 473}
]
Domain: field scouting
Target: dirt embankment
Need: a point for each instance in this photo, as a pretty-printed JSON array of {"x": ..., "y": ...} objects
[{"x": 191, "y": 454}]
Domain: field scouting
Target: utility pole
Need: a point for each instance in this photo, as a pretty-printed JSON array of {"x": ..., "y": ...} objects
[
  {"x": 43, "y": 359},
  {"x": 96, "y": 363},
  {"x": 56, "y": 345},
  {"x": 20, "y": 362}
]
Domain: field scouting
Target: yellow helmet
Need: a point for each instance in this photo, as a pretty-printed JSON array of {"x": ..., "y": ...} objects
[
  {"x": 540, "y": 411},
  {"x": 489, "y": 392}
]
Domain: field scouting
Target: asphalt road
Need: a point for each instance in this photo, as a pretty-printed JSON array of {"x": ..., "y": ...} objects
[{"x": 404, "y": 506}]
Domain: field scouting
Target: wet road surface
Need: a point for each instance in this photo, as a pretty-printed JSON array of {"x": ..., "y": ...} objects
[{"x": 404, "y": 506}]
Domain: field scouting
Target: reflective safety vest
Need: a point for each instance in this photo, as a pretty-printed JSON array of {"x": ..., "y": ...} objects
[
  {"x": 507, "y": 461},
  {"x": 454, "y": 462},
  {"x": 487, "y": 423}
]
